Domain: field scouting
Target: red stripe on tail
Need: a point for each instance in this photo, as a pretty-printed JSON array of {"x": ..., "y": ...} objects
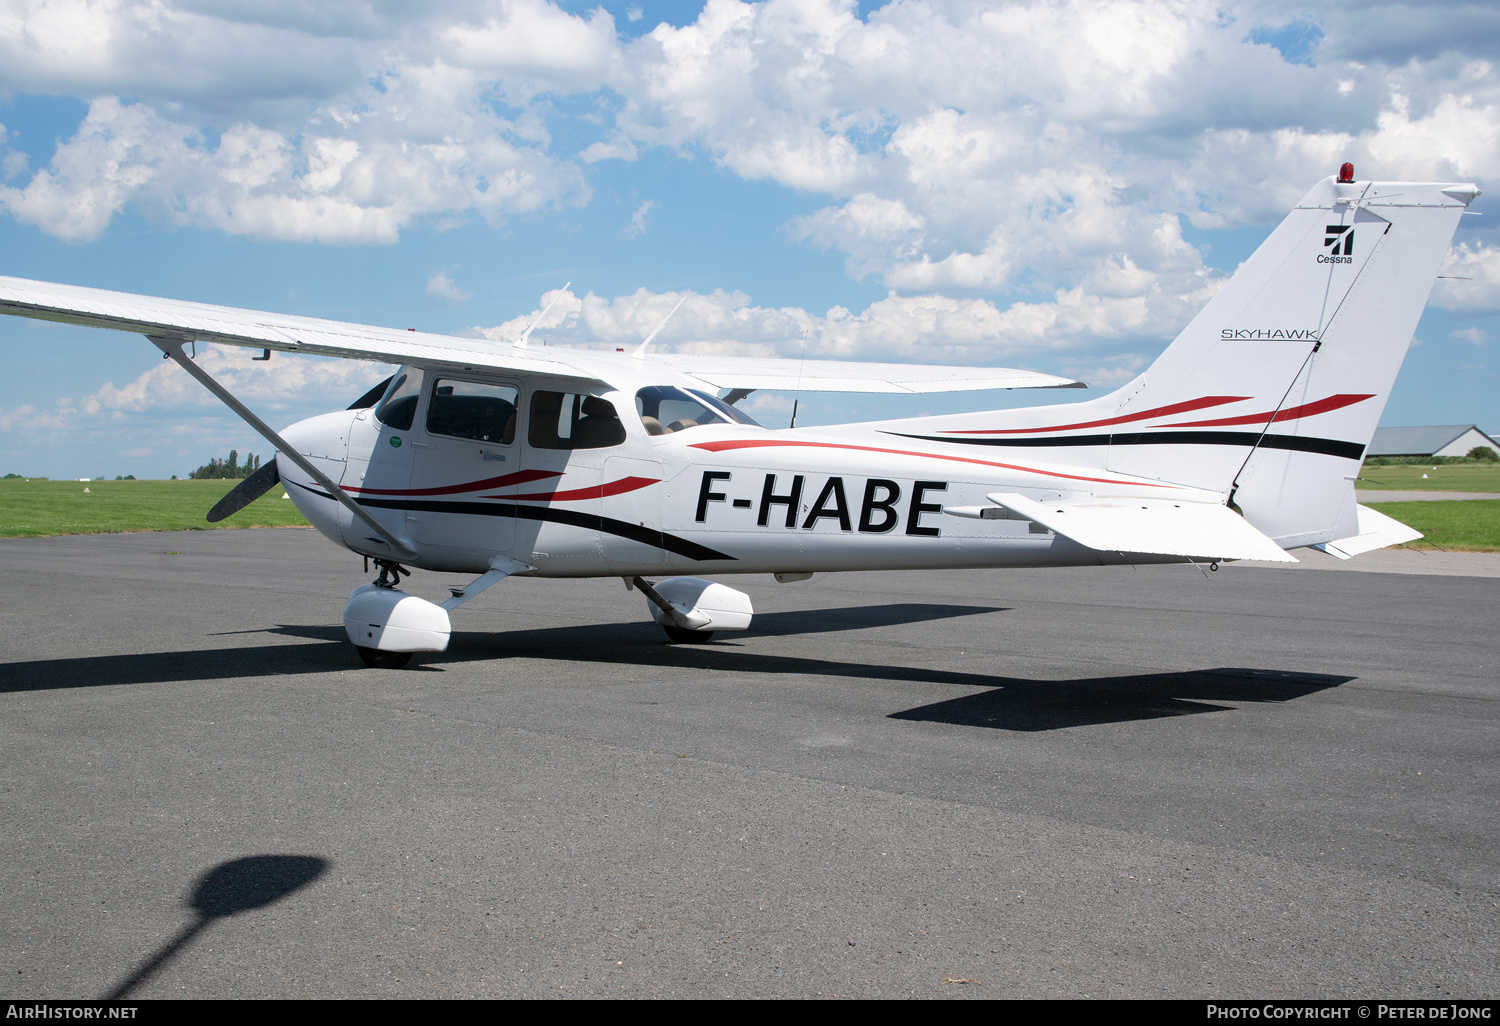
[
  {"x": 1333, "y": 402},
  {"x": 1160, "y": 411}
]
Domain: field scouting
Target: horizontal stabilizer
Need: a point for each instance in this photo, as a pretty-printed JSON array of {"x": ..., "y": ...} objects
[
  {"x": 755, "y": 373},
  {"x": 1376, "y": 531},
  {"x": 1162, "y": 527}
]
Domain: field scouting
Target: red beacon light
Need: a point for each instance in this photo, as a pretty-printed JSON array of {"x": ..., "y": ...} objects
[{"x": 1346, "y": 173}]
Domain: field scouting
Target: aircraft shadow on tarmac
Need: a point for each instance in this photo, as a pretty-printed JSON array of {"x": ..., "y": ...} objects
[
  {"x": 1036, "y": 705},
  {"x": 1008, "y": 703},
  {"x": 642, "y": 643},
  {"x": 230, "y": 887}
]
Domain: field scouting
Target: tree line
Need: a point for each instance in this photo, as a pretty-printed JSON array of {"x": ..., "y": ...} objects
[{"x": 216, "y": 469}]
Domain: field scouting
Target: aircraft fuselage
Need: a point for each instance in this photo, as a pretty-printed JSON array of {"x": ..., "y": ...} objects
[{"x": 715, "y": 498}]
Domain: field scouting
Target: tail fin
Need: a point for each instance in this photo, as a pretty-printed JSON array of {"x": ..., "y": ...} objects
[{"x": 1274, "y": 390}]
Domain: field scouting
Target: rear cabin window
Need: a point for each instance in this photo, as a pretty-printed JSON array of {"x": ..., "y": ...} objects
[
  {"x": 471, "y": 409},
  {"x": 567, "y": 420},
  {"x": 399, "y": 407},
  {"x": 665, "y": 409}
]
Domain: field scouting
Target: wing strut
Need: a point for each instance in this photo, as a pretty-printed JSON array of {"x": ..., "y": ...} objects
[{"x": 172, "y": 348}]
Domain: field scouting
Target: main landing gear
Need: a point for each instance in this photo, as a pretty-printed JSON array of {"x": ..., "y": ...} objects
[
  {"x": 691, "y": 609},
  {"x": 378, "y": 660},
  {"x": 681, "y": 636}
]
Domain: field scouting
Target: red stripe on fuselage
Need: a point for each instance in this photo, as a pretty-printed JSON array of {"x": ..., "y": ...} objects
[
  {"x": 1333, "y": 402},
  {"x": 518, "y": 478},
  {"x": 1160, "y": 411},
  {"x": 757, "y": 443},
  {"x": 625, "y": 484}
]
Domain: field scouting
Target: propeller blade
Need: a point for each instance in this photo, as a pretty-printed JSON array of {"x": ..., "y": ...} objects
[{"x": 246, "y": 492}]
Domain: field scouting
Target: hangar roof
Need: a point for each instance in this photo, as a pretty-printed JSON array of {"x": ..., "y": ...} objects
[{"x": 1416, "y": 441}]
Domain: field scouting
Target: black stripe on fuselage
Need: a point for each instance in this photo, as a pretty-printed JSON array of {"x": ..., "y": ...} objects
[
  {"x": 549, "y": 514},
  {"x": 1296, "y": 443}
]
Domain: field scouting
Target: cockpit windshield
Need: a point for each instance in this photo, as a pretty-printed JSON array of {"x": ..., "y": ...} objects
[
  {"x": 399, "y": 407},
  {"x": 666, "y": 408}
]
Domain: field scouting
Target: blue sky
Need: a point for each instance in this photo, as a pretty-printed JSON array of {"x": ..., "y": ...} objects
[{"x": 1052, "y": 186}]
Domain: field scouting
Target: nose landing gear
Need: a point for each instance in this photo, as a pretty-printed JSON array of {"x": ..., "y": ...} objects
[
  {"x": 386, "y": 625},
  {"x": 391, "y": 573},
  {"x": 390, "y": 576}
]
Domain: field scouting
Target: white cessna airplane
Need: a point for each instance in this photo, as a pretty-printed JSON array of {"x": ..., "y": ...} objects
[{"x": 1241, "y": 441}]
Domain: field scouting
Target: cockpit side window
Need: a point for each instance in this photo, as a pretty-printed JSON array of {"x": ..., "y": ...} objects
[
  {"x": 471, "y": 409},
  {"x": 399, "y": 407},
  {"x": 567, "y": 420},
  {"x": 665, "y": 409}
]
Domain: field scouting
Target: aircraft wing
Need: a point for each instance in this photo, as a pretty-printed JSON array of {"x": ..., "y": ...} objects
[
  {"x": 202, "y": 322},
  {"x": 753, "y": 373},
  {"x": 1198, "y": 530}
]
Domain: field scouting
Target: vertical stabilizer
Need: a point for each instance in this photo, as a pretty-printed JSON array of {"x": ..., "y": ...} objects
[
  {"x": 1270, "y": 396},
  {"x": 1274, "y": 390}
]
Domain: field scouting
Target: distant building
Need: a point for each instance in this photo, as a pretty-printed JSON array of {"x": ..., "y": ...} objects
[{"x": 1442, "y": 440}]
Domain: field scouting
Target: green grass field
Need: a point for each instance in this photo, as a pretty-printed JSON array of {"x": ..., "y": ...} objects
[
  {"x": 1471, "y": 525},
  {"x": 30, "y": 509},
  {"x": 1452, "y": 477}
]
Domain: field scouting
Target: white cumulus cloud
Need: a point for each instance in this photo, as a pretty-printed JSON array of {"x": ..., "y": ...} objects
[
  {"x": 1042, "y": 155},
  {"x": 640, "y": 219},
  {"x": 441, "y": 286},
  {"x": 931, "y": 328},
  {"x": 1470, "y": 280}
]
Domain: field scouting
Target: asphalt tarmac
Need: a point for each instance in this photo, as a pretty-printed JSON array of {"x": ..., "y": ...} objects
[{"x": 1108, "y": 782}]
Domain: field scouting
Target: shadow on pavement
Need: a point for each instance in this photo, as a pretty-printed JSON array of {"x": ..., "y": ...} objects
[
  {"x": 1006, "y": 704},
  {"x": 818, "y": 621},
  {"x": 1032, "y": 705},
  {"x": 626, "y": 643},
  {"x": 230, "y": 887}
]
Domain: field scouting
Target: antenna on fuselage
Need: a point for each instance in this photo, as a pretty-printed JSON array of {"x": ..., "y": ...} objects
[
  {"x": 797, "y": 395},
  {"x": 520, "y": 343},
  {"x": 640, "y": 352}
]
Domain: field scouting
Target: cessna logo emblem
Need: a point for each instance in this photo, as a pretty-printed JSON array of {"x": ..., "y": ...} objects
[{"x": 1339, "y": 241}]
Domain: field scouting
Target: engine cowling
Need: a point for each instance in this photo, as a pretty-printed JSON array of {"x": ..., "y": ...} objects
[
  {"x": 702, "y": 605},
  {"x": 389, "y": 620}
]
